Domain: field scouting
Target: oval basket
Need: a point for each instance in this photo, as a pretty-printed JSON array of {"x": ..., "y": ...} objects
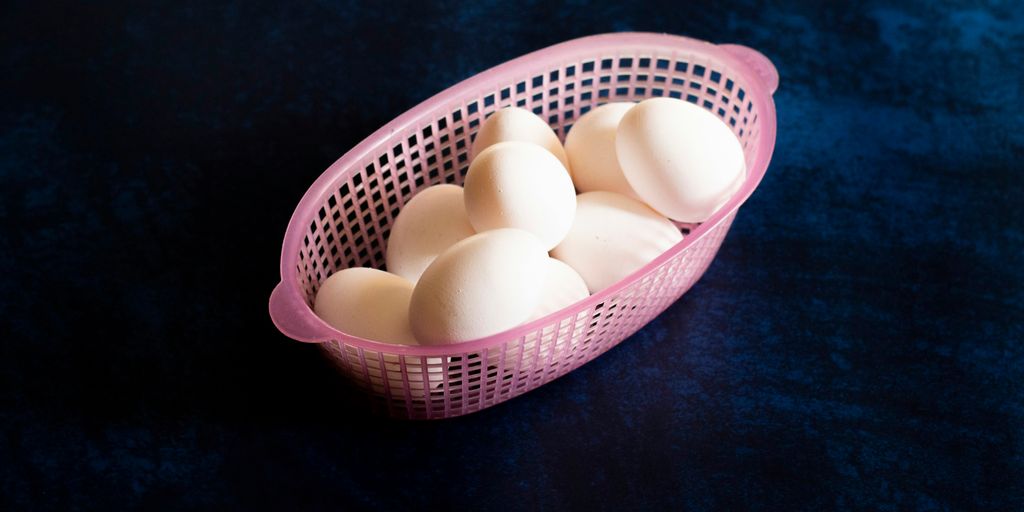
[{"x": 344, "y": 219}]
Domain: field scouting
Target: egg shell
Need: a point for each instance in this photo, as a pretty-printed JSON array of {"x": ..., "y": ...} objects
[
  {"x": 612, "y": 237},
  {"x": 680, "y": 159},
  {"x": 590, "y": 147},
  {"x": 517, "y": 124},
  {"x": 367, "y": 303},
  {"x": 520, "y": 185},
  {"x": 563, "y": 287},
  {"x": 432, "y": 221},
  {"x": 483, "y": 285}
]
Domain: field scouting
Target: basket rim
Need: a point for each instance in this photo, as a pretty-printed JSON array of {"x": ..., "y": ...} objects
[{"x": 759, "y": 91}]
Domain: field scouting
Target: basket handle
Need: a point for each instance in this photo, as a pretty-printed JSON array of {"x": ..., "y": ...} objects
[
  {"x": 758, "y": 62},
  {"x": 292, "y": 317}
]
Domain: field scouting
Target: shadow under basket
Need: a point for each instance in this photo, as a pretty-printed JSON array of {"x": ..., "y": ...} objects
[{"x": 344, "y": 219}]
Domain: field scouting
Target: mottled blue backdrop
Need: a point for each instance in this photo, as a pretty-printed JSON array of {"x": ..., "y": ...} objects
[{"x": 856, "y": 345}]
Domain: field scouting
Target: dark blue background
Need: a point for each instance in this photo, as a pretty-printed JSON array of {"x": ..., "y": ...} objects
[{"x": 856, "y": 345}]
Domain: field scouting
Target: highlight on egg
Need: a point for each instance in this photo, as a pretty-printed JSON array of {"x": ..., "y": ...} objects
[
  {"x": 590, "y": 147},
  {"x": 518, "y": 124},
  {"x": 367, "y": 303},
  {"x": 482, "y": 285},
  {"x": 520, "y": 185},
  {"x": 432, "y": 221},
  {"x": 612, "y": 236},
  {"x": 680, "y": 159},
  {"x": 563, "y": 287}
]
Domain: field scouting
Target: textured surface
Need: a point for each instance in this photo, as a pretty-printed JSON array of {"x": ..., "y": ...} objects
[{"x": 855, "y": 345}]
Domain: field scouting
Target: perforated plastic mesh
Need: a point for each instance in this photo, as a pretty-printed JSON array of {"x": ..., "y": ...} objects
[{"x": 352, "y": 225}]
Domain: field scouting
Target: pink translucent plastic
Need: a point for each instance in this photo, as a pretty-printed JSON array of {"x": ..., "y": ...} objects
[{"x": 344, "y": 219}]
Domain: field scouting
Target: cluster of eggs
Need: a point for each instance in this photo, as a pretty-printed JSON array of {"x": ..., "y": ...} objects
[{"x": 517, "y": 243}]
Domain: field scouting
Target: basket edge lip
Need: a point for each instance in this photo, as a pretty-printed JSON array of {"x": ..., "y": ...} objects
[{"x": 306, "y": 206}]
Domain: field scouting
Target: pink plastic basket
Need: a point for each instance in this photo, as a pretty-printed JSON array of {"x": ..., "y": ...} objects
[{"x": 344, "y": 219}]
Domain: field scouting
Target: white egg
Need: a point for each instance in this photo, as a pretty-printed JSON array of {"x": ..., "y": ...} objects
[
  {"x": 563, "y": 287},
  {"x": 590, "y": 147},
  {"x": 613, "y": 236},
  {"x": 520, "y": 185},
  {"x": 517, "y": 124},
  {"x": 679, "y": 158},
  {"x": 483, "y": 285},
  {"x": 428, "y": 224},
  {"x": 367, "y": 303}
]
